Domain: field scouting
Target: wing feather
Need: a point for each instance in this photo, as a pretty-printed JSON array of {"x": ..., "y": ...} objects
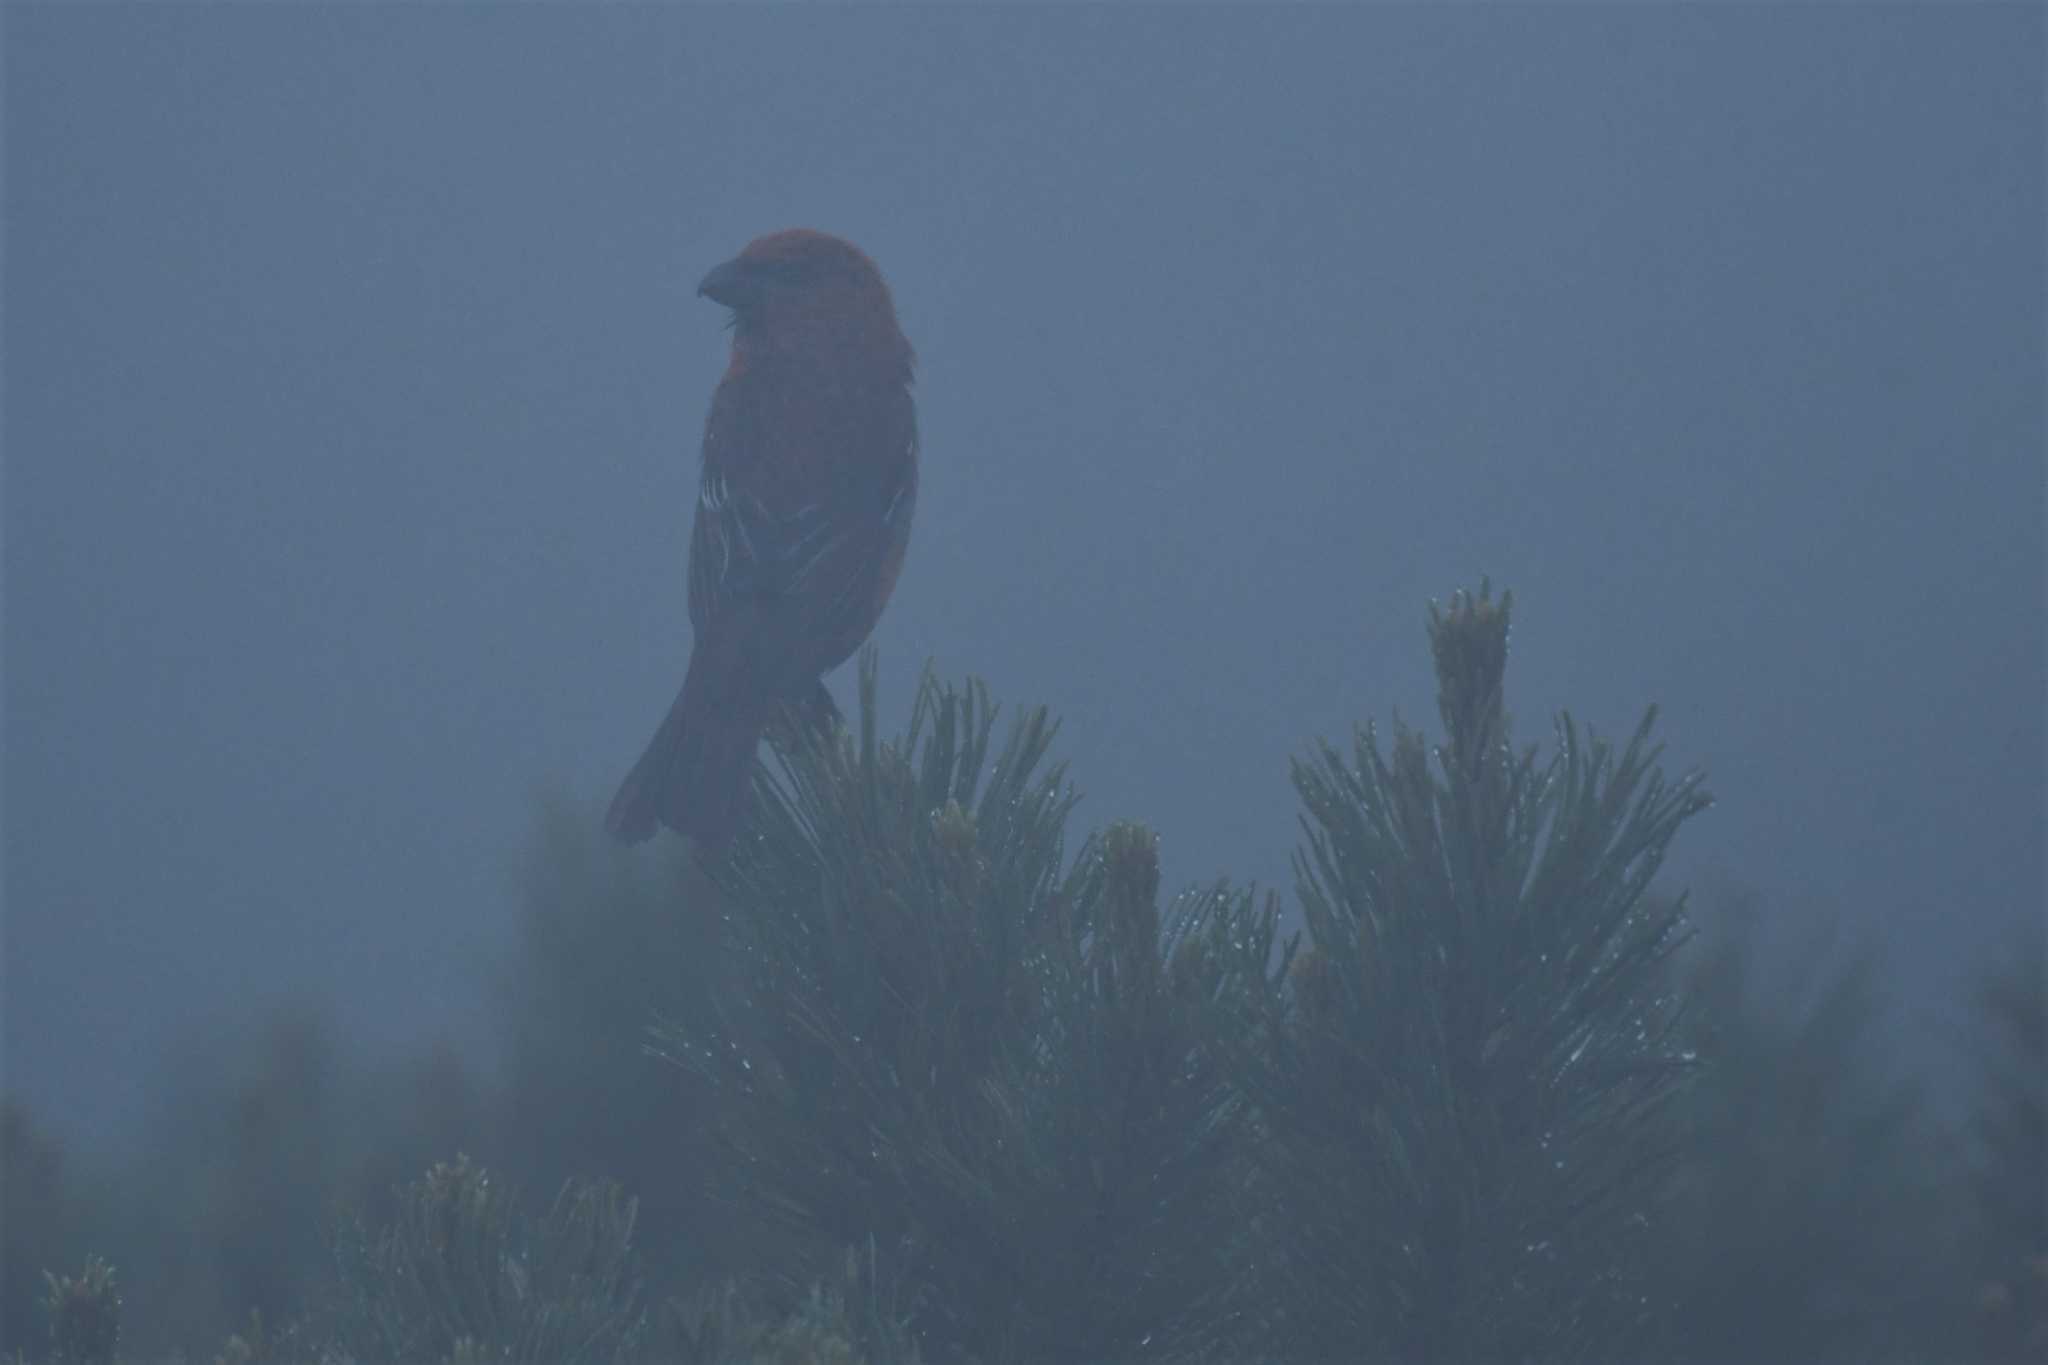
[{"x": 803, "y": 542}]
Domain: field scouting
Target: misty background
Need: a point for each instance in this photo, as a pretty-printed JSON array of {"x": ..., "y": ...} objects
[{"x": 354, "y": 384}]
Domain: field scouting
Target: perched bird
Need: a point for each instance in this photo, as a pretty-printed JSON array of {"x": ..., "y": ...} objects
[{"x": 803, "y": 514}]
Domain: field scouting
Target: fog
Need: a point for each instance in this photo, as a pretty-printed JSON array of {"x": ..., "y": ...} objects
[{"x": 354, "y": 383}]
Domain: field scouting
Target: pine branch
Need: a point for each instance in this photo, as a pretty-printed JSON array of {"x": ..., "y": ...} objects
[
  {"x": 945, "y": 1042},
  {"x": 460, "y": 1274},
  {"x": 1467, "y": 1088}
]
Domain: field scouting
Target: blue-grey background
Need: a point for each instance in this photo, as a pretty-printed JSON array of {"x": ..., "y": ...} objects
[{"x": 353, "y": 386}]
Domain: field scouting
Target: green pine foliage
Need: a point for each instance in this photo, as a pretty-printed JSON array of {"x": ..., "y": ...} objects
[
  {"x": 461, "y": 1274},
  {"x": 2009, "y": 1156},
  {"x": 1807, "y": 1222},
  {"x": 1466, "y": 1093},
  {"x": 604, "y": 942},
  {"x": 38, "y": 1213},
  {"x": 723, "y": 1324},
  {"x": 1085, "y": 1133},
  {"x": 224, "y": 1206},
  {"x": 85, "y": 1315},
  {"x": 958, "y": 1085},
  {"x": 946, "y": 1041}
]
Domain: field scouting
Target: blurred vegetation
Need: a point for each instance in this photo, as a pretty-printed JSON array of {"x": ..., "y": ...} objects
[
  {"x": 2009, "y": 1155},
  {"x": 916, "y": 1073},
  {"x": 226, "y": 1205},
  {"x": 1466, "y": 1092},
  {"x": 1813, "y": 1214},
  {"x": 460, "y": 1273},
  {"x": 85, "y": 1315},
  {"x": 605, "y": 944},
  {"x": 40, "y": 1224},
  {"x": 947, "y": 1041}
]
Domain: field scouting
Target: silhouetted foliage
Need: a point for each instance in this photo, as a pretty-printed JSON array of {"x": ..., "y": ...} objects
[
  {"x": 723, "y": 1324},
  {"x": 604, "y": 941},
  {"x": 400, "y": 1118},
  {"x": 258, "y": 1343},
  {"x": 85, "y": 1315},
  {"x": 225, "y": 1209},
  {"x": 460, "y": 1273},
  {"x": 2010, "y": 1155},
  {"x": 1807, "y": 1224},
  {"x": 943, "y": 1041},
  {"x": 1465, "y": 1097},
  {"x": 281, "y": 1126},
  {"x": 1457, "y": 1121},
  {"x": 261, "y": 1136},
  {"x": 952, "y": 1093},
  {"x": 37, "y": 1225}
]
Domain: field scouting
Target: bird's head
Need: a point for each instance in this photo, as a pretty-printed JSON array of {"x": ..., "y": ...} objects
[{"x": 799, "y": 287}]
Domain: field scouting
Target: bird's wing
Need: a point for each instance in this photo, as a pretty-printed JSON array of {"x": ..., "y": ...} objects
[{"x": 804, "y": 539}]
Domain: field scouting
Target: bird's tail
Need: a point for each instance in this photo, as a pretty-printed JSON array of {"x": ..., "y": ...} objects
[{"x": 693, "y": 776}]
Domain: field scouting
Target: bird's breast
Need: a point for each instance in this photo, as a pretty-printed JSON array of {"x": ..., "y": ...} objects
[{"x": 808, "y": 428}]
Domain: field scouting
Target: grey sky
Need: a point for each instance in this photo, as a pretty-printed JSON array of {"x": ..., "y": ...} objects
[{"x": 354, "y": 382}]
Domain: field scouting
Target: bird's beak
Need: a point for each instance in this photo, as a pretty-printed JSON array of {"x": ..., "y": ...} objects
[{"x": 731, "y": 284}]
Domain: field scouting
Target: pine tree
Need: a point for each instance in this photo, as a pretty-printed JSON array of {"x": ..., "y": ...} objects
[
  {"x": 1464, "y": 1089},
  {"x": 2009, "y": 1165},
  {"x": 953, "y": 1048}
]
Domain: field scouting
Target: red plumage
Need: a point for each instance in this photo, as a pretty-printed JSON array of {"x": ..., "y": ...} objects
[{"x": 803, "y": 514}]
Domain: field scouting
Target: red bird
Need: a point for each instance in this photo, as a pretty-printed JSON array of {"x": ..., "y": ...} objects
[{"x": 803, "y": 514}]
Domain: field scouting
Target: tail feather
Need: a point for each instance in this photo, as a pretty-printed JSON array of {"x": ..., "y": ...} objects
[{"x": 693, "y": 775}]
